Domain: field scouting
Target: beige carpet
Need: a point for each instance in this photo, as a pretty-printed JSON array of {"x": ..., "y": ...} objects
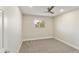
[{"x": 46, "y": 46}]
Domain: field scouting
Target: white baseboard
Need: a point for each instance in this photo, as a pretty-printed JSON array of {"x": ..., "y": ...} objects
[
  {"x": 2, "y": 50},
  {"x": 67, "y": 43},
  {"x": 19, "y": 46},
  {"x": 38, "y": 38}
]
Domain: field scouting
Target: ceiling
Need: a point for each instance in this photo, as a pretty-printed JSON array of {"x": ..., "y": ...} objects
[{"x": 41, "y": 10}]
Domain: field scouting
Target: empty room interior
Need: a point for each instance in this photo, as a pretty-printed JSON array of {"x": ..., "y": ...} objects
[{"x": 39, "y": 29}]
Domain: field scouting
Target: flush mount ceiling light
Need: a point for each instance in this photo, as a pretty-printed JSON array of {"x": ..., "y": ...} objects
[{"x": 61, "y": 10}]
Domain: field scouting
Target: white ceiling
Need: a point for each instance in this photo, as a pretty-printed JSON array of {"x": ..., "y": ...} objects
[{"x": 41, "y": 10}]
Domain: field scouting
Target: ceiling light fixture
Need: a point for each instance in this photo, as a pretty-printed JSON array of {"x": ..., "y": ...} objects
[{"x": 61, "y": 10}]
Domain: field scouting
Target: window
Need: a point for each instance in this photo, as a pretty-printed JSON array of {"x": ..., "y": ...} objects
[{"x": 39, "y": 23}]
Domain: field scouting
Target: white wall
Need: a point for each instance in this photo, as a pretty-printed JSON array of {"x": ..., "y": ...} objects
[
  {"x": 0, "y": 29},
  {"x": 12, "y": 28},
  {"x": 66, "y": 27},
  {"x": 30, "y": 32},
  {"x": 2, "y": 16}
]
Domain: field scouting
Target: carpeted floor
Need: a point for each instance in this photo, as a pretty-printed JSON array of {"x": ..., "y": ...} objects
[{"x": 46, "y": 46}]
